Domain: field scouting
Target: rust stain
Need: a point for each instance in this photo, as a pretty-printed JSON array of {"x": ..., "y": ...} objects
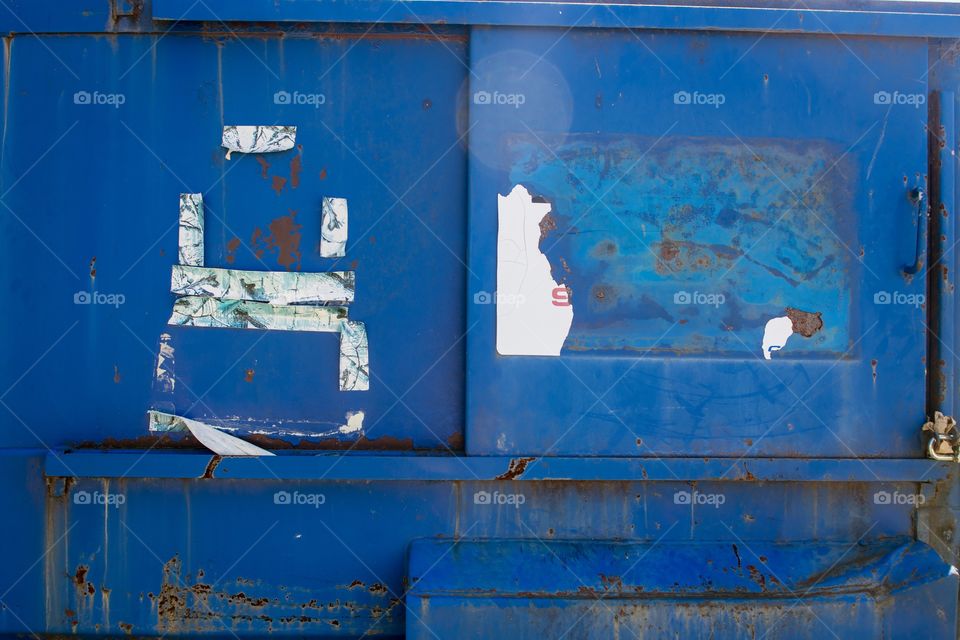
[
  {"x": 323, "y": 173},
  {"x": 248, "y": 377},
  {"x": 383, "y": 443},
  {"x": 116, "y": 374},
  {"x": 232, "y": 247},
  {"x": 873, "y": 366},
  {"x": 805, "y": 323},
  {"x": 296, "y": 166},
  {"x": 93, "y": 267},
  {"x": 264, "y": 166},
  {"x": 126, "y": 627},
  {"x": 212, "y": 466},
  {"x": 284, "y": 238},
  {"x": 515, "y": 469},
  {"x": 277, "y": 184},
  {"x": 547, "y": 224}
]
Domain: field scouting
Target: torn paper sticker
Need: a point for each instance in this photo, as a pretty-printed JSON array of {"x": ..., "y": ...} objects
[
  {"x": 166, "y": 381},
  {"x": 191, "y": 229},
  {"x": 258, "y": 139},
  {"x": 279, "y": 287},
  {"x": 211, "y": 437},
  {"x": 354, "y": 357},
  {"x": 778, "y": 330},
  {"x": 195, "y": 311},
  {"x": 528, "y": 320},
  {"x": 333, "y": 228}
]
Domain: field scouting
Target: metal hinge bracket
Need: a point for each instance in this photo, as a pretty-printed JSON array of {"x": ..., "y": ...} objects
[{"x": 944, "y": 443}]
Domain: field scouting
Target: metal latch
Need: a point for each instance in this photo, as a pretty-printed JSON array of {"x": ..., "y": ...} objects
[{"x": 944, "y": 441}]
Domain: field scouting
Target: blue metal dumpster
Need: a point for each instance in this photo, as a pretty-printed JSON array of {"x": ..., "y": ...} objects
[{"x": 656, "y": 313}]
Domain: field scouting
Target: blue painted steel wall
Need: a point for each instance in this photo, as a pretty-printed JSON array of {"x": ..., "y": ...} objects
[{"x": 152, "y": 543}]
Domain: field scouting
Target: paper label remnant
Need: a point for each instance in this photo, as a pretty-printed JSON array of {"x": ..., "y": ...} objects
[
  {"x": 775, "y": 335},
  {"x": 354, "y": 357},
  {"x": 258, "y": 139},
  {"x": 333, "y": 228},
  {"x": 528, "y": 322},
  {"x": 191, "y": 229},
  {"x": 279, "y": 287},
  {"x": 196, "y": 311},
  {"x": 166, "y": 381},
  {"x": 210, "y": 437}
]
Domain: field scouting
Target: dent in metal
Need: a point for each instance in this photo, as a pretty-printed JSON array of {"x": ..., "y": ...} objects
[
  {"x": 333, "y": 228},
  {"x": 197, "y": 311},
  {"x": 191, "y": 229},
  {"x": 278, "y": 287},
  {"x": 209, "y": 436},
  {"x": 258, "y": 139},
  {"x": 354, "y": 357}
]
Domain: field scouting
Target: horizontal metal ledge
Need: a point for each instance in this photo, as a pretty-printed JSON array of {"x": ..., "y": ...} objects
[
  {"x": 334, "y": 467},
  {"x": 871, "y": 18}
]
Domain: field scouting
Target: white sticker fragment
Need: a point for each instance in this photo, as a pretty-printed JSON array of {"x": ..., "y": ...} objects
[
  {"x": 354, "y": 422},
  {"x": 354, "y": 357},
  {"x": 775, "y": 335},
  {"x": 953, "y": 571},
  {"x": 164, "y": 375},
  {"x": 191, "y": 229},
  {"x": 278, "y": 287},
  {"x": 196, "y": 311},
  {"x": 258, "y": 139},
  {"x": 333, "y": 228},
  {"x": 211, "y": 437},
  {"x": 529, "y": 322}
]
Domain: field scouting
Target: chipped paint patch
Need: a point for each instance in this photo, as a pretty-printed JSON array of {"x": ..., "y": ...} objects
[
  {"x": 258, "y": 139},
  {"x": 775, "y": 335},
  {"x": 278, "y": 287},
  {"x": 209, "y": 436},
  {"x": 166, "y": 380},
  {"x": 333, "y": 228},
  {"x": 354, "y": 422},
  {"x": 196, "y": 311},
  {"x": 191, "y": 229},
  {"x": 528, "y": 321},
  {"x": 354, "y": 357}
]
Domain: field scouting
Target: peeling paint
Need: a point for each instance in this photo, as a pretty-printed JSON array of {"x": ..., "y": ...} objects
[
  {"x": 191, "y": 229},
  {"x": 278, "y": 287},
  {"x": 258, "y": 139},
  {"x": 211, "y": 437},
  {"x": 529, "y": 321},
  {"x": 333, "y": 228},
  {"x": 196, "y": 311},
  {"x": 166, "y": 380},
  {"x": 354, "y": 357}
]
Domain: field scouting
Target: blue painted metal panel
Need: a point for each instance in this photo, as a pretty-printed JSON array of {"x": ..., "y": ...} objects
[
  {"x": 139, "y": 155},
  {"x": 771, "y": 199}
]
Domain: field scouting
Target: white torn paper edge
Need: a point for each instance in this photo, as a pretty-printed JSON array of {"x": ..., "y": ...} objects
[
  {"x": 191, "y": 229},
  {"x": 278, "y": 287},
  {"x": 333, "y": 228},
  {"x": 775, "y": 335},
  {"x": 195, "y": 311},
  {"x": 258, "y": 139},
  {"x": 166, "y": 380},
  {"x": 354, "y": 357},
  {"x": 212, "y": 438},
  {"x": 528, "y": 321}
]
